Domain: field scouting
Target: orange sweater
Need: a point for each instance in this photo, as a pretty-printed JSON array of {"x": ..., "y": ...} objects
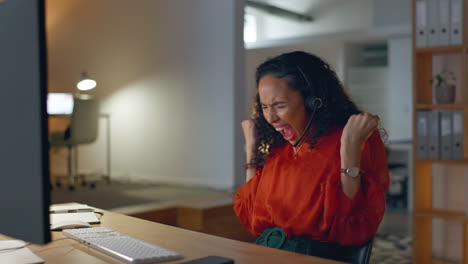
[{"x": 303, "y": 195}]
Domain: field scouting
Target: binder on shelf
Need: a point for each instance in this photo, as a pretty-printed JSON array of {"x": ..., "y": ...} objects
[
  {"x": 434, "y": 135},
  {"x": 421, "y": 23},
  {"x": 432, "y": 23},
  {"x": 443, "y": 28},
  {"x": 457, "y": 131},
  {"x": 422, "y": 129},
  {"x": 446, "y": 135},
  {"x": 456, "y": 23}
]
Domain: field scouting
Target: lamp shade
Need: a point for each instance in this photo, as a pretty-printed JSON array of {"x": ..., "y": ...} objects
[{"x": 85, "y": 83}]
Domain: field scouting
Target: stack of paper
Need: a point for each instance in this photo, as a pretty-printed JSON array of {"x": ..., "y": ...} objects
[
  {"x": 70, "y": 208},
  {"x": 72, "y": 212}
]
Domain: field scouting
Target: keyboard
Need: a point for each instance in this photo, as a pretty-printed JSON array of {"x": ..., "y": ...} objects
[{"x": 120, "y": 246}]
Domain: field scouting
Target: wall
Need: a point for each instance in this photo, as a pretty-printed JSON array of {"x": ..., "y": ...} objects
[
  {"x": 168, "y": 74},
  {"x": 400, "y": 95},
  {"x": 389, "y": 84},
  {"x": 395, "y": 12}
]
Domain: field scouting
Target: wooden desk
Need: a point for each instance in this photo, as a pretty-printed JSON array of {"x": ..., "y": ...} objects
[{"x": 189, "y": 244}]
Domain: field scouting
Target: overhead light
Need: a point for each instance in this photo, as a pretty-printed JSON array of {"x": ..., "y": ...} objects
[{"x": 85, "y": 83}]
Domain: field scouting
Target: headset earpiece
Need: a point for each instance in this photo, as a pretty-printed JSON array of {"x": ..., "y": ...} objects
[
  {"x": 317, "y": 103},
  {"x": 313, "y": 103}
]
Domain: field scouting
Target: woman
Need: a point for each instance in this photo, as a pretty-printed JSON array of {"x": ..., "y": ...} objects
[{"x": 316, "y": 165}]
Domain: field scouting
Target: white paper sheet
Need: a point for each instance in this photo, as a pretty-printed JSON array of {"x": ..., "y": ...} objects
[
  {"x": 89, "y": 217},
  {"x": 70, "y": 208},
  {"x": 18, "y": 256}
]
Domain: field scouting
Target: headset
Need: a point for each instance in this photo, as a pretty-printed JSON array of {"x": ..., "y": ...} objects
[{"x": 311, "y": 104}]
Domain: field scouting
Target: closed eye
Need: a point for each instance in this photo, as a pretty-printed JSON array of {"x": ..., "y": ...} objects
[
  {"x": 276, "y": 105},
  {"x": 280, "y": 105}
]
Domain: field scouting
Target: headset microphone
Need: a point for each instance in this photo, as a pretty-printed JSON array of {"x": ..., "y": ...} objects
[
  {"x": 314, "y": 104},
  {"x": 311, "y": 104}
]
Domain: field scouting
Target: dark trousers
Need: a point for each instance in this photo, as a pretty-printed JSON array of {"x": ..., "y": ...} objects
[{"x": 276, "y": 238}]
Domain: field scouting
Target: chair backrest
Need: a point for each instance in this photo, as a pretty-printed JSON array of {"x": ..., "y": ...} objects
[
  {"x": 84, "y": 121},
  {"x": 361, "y": 254}
]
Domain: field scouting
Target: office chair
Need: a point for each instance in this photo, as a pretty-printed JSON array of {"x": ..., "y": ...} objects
[
  {"x": 361, "y": 254},
  {"x": 83, "y": 129}
]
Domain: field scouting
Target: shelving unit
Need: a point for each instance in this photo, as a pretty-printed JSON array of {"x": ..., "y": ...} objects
[{"x": 439, "y": 229}]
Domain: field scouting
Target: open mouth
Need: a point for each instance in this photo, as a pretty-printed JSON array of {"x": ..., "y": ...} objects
[{"x": 287, "y": 132}]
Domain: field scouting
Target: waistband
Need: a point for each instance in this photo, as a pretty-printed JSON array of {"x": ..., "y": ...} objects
[{"x": 276, "y": 238}]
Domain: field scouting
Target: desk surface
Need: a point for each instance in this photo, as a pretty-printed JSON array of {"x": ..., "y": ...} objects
[{"x": 189, "y": 244}]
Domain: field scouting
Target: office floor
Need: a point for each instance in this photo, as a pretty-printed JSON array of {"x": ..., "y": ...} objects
[
  {"x": 392, "y": 243},
  {"x": 123, "y": 194}
]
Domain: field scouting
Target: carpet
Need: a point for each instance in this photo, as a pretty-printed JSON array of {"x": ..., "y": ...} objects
[
  {"x": 392, "y": 249},
  {"x": 122, "y": 194},
  {"x": 102, "y": 196}
]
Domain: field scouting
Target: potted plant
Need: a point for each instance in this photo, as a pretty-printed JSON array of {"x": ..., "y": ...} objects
[{"x": 444, "y": 87}]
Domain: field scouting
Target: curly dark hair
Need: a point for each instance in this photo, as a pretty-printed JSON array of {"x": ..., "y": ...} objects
[{"x": 313, "y": 78}]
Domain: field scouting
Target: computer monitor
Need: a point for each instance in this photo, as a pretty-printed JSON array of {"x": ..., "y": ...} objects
[
  {"x": 24, "y": 160},
  {"x": 59, "y": 103}
]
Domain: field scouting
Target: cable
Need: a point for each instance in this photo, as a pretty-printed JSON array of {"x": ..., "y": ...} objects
[
  {"x": 27, "y": 244},
  {"x": 14, "y": 248},
  {"x": 307, "y": 127},
  {"x": 45, "y": 249}
]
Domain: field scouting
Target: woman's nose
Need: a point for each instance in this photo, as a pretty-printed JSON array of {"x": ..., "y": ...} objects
[{"x": 270, "y": 116}]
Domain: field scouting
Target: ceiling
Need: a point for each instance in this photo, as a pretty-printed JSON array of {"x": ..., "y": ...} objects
[{"x": 304, "y": 6}]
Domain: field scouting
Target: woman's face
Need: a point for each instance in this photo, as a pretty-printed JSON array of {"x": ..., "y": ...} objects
[{"x": 282, "y": 107}]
